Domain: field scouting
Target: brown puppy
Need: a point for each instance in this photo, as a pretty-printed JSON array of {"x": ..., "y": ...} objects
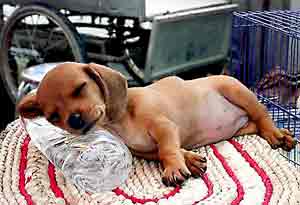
[{"x": 160, "y": 121}]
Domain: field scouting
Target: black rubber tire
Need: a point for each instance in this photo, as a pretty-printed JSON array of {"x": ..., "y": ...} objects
[
  {"x": 7, "y": 107},
  {"x": 7, "y": 113},
  {"x": 70, "y": 32},
  {"x": 1, "y": 15}
]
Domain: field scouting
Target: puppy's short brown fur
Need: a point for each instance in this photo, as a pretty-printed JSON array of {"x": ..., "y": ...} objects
[{"x": 158, "y": 122}]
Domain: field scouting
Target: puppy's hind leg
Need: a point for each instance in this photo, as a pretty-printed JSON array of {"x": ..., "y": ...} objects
[
  {"x": 248, "y": 129},
  {"x": 283, "y": 137},
  {"x": 241, "y": 96}
]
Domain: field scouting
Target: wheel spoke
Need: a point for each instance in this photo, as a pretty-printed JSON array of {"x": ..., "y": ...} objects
[
  {"x": 27, "y": 28},
  {"x": 29, "y": 31},
  {"x": 34, "y": 28},
  {"x": 55, "y": 45},
  {"x": 33, "y": 35},
  {"x": 17, "y": 43},
  {"x": 45, "y": 52}
]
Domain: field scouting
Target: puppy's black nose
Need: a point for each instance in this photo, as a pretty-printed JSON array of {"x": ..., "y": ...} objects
[{"x": 75, "y": 121}]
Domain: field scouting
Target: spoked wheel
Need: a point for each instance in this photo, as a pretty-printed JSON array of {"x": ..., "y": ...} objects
[{"x": 36, "y": 34}]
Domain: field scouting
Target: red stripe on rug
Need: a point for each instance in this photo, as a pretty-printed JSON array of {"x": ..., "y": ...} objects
[
  {"x": 176, "y": 190},
  {"x": 134, "y": 199},
  {"x": 22, "y": 168},
  {"x": 209, "y": 185},
  {"x": 210, "y": 188},
  {"x": 240, "y": 189},
  {"x": 53, "y": 183},
  {"x": 263, "y": 175}
]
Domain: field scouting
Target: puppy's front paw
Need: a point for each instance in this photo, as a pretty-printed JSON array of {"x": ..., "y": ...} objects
[
  {"x": 281, "y": 138},
  {"x": 175, "y": 174},
  {"x": 196, "y": 163}
]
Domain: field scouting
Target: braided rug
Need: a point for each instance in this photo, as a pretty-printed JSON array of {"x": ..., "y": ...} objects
[{"x": 243, "y": 170}]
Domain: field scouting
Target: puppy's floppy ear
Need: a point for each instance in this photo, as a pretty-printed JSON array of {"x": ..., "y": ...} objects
[
  {"x": 113, "y": 86},
  {"x": 28, "y": 107}
]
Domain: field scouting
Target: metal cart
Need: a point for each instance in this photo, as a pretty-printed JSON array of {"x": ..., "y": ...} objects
[{"x": 143, "y": 39}]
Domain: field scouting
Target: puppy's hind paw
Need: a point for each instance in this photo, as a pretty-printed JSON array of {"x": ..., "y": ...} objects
[
  {"x": 288, "y": 142},
  {"x": 281, "y": 138}
]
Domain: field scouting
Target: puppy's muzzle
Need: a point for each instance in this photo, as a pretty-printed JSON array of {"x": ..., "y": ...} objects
[{"x": 76, "y": 122}]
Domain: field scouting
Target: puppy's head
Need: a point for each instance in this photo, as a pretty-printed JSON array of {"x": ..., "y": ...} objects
[{"x": 75, "y": 97}]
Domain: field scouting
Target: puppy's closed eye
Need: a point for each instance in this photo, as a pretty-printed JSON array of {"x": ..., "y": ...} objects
[
  {"x": 54, "y": 117},
  {"x": 78, "y": 89}
]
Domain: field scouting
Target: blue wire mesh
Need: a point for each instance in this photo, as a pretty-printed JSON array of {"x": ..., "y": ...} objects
[{"x": 265, "y": 56}]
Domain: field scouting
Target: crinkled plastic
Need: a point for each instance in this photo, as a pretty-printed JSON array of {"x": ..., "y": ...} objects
[{"x": 95, "y": 162}]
